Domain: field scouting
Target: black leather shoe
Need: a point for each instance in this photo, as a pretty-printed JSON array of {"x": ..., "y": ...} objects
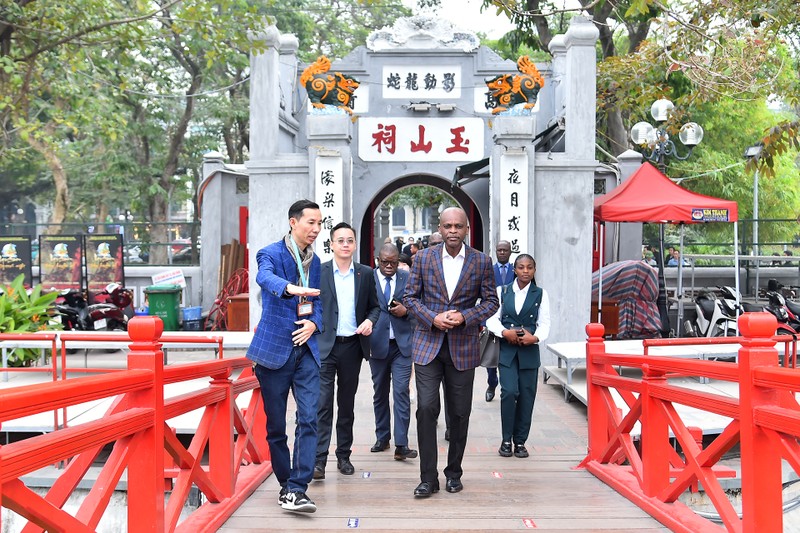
[
  {"x": 379, "y": 446},
  {"x": 319, "y": 470},
  {"x": 490, "y": 394},
  {"x": 345, "y": 467},
  {"x": 454, "y": 485},
  {"x": 505, "y": 450},
  {"x": 401, "y": 453},
  {"x": 520, "y": 451},
  {"x": 426, "y": 489}
]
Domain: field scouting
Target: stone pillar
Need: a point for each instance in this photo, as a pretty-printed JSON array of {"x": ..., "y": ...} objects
[
  {"x": 265, "y": 95},
  {"x": 558, "y": 48},
  {"x": 511, "y": 184},
  {"x": 211, "y": 229},
  {"x": 277, "y": 179},
  {"x": 330, "y": 169},
  {"x": 383, "y": 225},
  {"x": 580, "y": 88},
  {"x": 630, "y": 233}
]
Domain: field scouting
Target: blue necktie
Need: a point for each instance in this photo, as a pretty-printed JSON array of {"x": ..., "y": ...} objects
[
  {"x": 387, "y": 291},
  {"x": 503, "y": 273}
]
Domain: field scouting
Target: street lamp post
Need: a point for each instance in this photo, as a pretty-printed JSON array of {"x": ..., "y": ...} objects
[
  {"x": 657, "y": 140},
  {"x": 750, "y": 153}
]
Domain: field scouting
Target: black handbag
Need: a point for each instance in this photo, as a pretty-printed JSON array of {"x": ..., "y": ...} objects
[{"x": 490, "y": 349}]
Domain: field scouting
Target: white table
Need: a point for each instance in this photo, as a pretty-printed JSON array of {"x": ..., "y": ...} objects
[{"x": 572, "y": 355}]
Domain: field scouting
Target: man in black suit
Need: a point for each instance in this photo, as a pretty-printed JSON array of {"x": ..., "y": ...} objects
[
  {"x": 349, "y": 309},
  {"x": 390, "y": 360}
]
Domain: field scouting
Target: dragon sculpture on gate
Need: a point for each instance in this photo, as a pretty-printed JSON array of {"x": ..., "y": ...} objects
[
  {"x": 509, "y": 90},
  {"x": 326, "y": 88}
]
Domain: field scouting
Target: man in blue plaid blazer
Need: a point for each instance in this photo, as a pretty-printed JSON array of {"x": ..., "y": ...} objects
[
  {"x": 284, "y": 349},
  {"x": 451, "y": 291}
]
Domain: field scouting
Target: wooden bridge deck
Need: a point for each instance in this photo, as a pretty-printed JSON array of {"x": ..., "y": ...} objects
[{"x": 543, "y": 492}]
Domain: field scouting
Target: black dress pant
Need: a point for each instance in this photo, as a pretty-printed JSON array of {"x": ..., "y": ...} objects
[
  {"x": 458, "y": 398},
  {"x": 340, "y": 371}
]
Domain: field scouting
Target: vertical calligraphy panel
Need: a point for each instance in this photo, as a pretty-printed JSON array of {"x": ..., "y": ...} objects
[
  {"x": 514, "y": 218},
  {"x": 329, "y": 194}
]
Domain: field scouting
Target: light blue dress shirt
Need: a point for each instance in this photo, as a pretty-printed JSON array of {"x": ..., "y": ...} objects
[{"x": 346, "y": 298}]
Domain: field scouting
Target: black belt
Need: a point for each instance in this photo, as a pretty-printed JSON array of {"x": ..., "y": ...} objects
[
  {"x": 392, "y": 341},
  {"x": 351, "y": 338}
]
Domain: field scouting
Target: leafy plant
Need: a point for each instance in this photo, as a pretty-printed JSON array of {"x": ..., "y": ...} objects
[{"x": 25, "y": 312}]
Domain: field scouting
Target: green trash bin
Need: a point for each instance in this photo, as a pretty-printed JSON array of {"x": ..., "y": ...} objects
[{"x": 164, "y": 302}]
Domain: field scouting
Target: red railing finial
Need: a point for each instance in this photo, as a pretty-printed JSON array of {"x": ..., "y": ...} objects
[
  {"x": 145, "y": 328},
  {"x": 595, "y": 329},
  {"x": 757, "y": 324}
]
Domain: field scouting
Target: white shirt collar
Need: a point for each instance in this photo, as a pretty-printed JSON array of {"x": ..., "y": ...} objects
[{"x": 462, "y": 253}]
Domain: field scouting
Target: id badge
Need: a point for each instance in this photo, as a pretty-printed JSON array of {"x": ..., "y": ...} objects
[{"x": 305, "y": 308}]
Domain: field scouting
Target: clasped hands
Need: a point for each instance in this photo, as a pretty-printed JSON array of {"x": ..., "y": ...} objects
[
  {"x": 448, "y": 320},
  {"x": 512, "y": 337}
]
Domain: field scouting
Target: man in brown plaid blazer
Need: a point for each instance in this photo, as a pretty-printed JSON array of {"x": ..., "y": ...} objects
[{"x": 451, "y": 291}]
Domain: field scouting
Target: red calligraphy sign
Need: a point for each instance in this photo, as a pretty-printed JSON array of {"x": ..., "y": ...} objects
[
  {"x": 385, "y": 136},
  {"x": 459, "y": 142},
  {"x": 421, "y": 145}
]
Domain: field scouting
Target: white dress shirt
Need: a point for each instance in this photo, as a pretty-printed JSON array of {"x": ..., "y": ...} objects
[
  {"x": 345, "y": 284},
  {"x": 452, "y": 268},
  {"x": 542, "y": 321}
]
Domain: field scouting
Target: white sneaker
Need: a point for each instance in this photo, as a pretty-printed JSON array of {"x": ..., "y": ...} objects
[
  {"x": 298, "y": 502},
  {"x": 282, "y": 496}
]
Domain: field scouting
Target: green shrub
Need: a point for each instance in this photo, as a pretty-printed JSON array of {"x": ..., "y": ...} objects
[{"x": 23, "y": 312}]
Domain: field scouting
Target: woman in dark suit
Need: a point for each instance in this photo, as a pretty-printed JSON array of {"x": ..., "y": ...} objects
[{"x": 522, "y": 322}]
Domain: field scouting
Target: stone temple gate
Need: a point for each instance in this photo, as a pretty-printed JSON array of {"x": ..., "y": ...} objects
[{"x": 421, "y": 117}]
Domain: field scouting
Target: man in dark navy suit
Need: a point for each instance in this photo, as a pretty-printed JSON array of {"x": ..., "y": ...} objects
[
  {"x": 503, "y": 275},
  {"x": 390, "y": 360},
  {"x": 349, "y": 310}
]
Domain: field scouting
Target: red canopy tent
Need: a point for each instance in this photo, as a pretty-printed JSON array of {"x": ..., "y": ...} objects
[{"x": 649, "y": 196}]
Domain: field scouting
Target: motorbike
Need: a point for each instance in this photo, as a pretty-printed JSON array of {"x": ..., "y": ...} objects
[
  {"x": 788, "y": 320},
  {"x": 107, "y": 315},
  {"x": 716, "y": 317}
]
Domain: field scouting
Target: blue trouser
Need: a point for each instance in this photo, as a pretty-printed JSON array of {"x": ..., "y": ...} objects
[
  {"x": 491, "y": 377},
  {"x": 395, "y": 370},
  {"x": 301, "y": 375}
]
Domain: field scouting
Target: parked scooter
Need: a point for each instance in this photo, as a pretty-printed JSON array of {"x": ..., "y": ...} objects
[
  {"x": 788, "y": 320},
  {"x": 78, "y": 315},
  {"x": 716, "y": 317}
]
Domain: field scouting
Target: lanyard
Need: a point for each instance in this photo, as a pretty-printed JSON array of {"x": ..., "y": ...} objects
[{"x": 303, "y": 279}]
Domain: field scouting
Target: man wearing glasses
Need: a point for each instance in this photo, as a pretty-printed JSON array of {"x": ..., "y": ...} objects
[
  {"x": 390, "y": 360},
  {"x": 349, "y": 310}
]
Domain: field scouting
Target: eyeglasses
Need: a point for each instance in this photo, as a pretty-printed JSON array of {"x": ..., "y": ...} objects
[
  {"x": 341, "y": 242},
  {"x": 393, "y": 263}
]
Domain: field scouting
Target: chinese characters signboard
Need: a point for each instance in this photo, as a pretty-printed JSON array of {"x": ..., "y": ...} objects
[
  {"x": 422, "y": 82},
  {"x": 420, "y": 139},
  {"x": 514, "y": 217},
  {"x": 329, "y": 195}
]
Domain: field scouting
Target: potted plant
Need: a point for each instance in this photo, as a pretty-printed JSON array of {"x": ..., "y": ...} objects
[{"x": 26, "y": 311}]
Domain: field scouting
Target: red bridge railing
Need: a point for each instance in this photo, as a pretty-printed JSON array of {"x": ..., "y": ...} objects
[
  {"x": 144, "y": 444},
  {"x": 765, "y": 423}
]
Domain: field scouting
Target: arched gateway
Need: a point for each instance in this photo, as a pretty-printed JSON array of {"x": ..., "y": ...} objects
[{"x": 421, "y": 117}]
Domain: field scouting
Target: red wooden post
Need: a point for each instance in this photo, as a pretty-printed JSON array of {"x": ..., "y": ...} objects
[
  {"x": 146, "y": 467},
  {"x": 599, "y": 418},
  {"x": 220, "y": 440},
  {"x": 655, "y": 436},
  {"x": 762, "y": 504}
]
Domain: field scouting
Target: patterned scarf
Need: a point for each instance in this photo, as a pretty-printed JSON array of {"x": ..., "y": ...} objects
[{"x": 306, "y": 256}]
